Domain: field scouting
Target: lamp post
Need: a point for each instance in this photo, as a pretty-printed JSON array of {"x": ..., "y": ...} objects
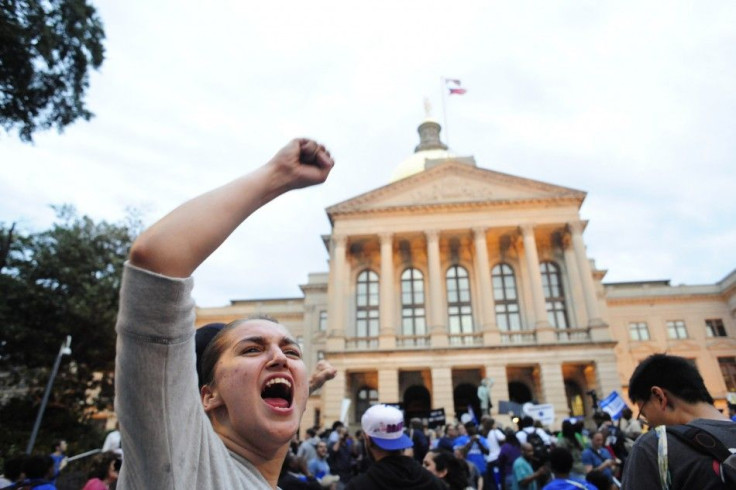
[{"x": 65, "y": 350}]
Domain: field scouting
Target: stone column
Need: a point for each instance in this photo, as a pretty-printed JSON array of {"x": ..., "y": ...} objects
[
  {"x": 333, "y": 393},
  {"x": 553, "y": 389},
  {"x": 387, "y": 334},
  {"x": 442, "y": 396},
  {"x": 491, "y": 335},
  {"x": 586, "y": 275},
  {"x": 607, "y": 373},
  {"x": 544, "y": 332},
  {"x": 336, "y": 300},
  {"x": 435, "y": 308},
  {"x": 388, "y": 386},
  {"x": 577, "y": 299}
]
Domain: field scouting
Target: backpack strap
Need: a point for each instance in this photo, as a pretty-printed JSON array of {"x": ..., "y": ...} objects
[{"x": 701, "y": 440}]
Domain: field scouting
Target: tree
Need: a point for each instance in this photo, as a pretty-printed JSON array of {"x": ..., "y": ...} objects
[
  {"x": 59, "y": 282},
  {"x": 46, "y": 49}
]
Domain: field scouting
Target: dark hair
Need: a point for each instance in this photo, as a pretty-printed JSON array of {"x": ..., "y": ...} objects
[
  {"x": 456, "y": 477},
  {"x": 526, "y": 421},
  {"x": 290, "y": 463},
  {"x": 101, "y": 464},
  {"x": 560, "y": 459},
  {"x": 511, "y": 437},
  {"x": 13, "y": 467},
  {"x": 202, "y": 338},
  {"x": 568, "y": 433},
  {"x": 673, "y": 373},
  {"x": 599, "y": 479},
  {"x": 38, "y": 466},
  {"x": 216, "y": 345}
]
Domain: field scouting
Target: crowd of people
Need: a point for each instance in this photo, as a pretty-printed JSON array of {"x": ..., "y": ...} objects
[
  {"x": 40, "y": 472},
  {"x": 474, "y": 455}
]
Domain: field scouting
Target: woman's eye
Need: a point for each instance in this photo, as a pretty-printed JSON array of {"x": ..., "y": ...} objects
[
  {"x": 251, "y": 350},
  {"x": 293, "y": 353}
]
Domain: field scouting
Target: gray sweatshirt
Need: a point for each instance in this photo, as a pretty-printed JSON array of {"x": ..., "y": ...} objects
[{"x": 168, "y": 440}]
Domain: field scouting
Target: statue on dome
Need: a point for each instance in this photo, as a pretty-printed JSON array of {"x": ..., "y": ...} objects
[
  {"x": 427, "y": 108},
  {"x": 484, "y": 395}
]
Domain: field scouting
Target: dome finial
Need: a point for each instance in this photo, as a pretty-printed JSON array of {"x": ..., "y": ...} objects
[{"x": 429, "y": 136}]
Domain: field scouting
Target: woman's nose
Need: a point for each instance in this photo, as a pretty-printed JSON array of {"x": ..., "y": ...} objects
[{"x": 278, "y": 358}]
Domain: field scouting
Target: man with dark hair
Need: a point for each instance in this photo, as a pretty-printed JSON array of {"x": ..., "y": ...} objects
[
  {"x": 383, "y": 432},
  {"x": 475, "y": 448},
  {"x": 59, "y": 457},
  {"x": 416, "y": 434},
  {"x": 525, "y": 477},
  {"x": 307, "y": 450},
  {"x": 38, "y": 470},
  {"x": 447, "y": 441},
  {"x": 13, "y": 470},
  {"x": 669, "y": 391},
  {"x": 560, "y": 461}
]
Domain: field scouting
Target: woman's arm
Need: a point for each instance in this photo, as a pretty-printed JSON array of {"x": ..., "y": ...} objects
[{"x": 178, "y": 243}]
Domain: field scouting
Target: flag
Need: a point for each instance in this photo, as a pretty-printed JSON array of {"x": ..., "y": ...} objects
[
  {"x": 613, "y": 404},
  {"x": 454, "y": 86}
]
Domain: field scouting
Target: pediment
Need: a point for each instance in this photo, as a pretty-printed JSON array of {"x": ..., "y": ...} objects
[{"x": 455, "y": 182}]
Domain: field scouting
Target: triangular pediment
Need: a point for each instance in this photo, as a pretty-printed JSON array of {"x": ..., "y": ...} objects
[{"x": 453, "y": 183}]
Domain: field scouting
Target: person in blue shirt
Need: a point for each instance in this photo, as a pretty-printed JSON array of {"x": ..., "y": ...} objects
[
  {"x": 596, "y": 457},
  {"x": 59, "y": 457},
  {"x": 318, "y": 466},
  {"x": 475, "y": 447},
  {"x": 561, "y": 460}
]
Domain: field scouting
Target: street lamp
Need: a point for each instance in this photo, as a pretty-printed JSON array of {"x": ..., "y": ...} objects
[{"x": 65, "y": 350}]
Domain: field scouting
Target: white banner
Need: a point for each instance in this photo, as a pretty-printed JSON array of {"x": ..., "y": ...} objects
[
  {"x": 544, "y": 412},
  {"x": 344, "y": 410}
]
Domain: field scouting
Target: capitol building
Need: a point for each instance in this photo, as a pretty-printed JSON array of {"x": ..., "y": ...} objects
[{"x": 452, "y": 273}]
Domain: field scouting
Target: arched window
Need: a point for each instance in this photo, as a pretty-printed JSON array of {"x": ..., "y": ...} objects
[
  {"x": 459, "y": 307},
  {"x": 505, "y": 298},
  {"x": 366, "y": 300},
  {"x": 554, "y": 296},
  {"x": 413, "y": 321}
]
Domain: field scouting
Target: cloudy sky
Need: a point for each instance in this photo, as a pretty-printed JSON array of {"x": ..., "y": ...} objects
[{"x": 631, "y": 101}]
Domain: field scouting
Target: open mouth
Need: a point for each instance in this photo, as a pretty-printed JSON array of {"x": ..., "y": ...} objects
[{"x": 277, "y": 393}]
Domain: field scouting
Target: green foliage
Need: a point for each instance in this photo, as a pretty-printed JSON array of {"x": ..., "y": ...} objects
[
  {"x": 59, "y": 282},
  {"x": 46, "y": 49}
]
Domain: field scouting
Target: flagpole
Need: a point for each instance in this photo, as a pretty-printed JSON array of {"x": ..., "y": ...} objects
[{"x": 443, "y": 89}]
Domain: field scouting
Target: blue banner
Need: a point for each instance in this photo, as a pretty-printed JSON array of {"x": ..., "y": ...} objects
[{"x": 613, "y": 404}]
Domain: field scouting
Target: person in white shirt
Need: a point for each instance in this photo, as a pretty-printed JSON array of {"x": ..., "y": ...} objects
[{"x": 527, "y": 427}]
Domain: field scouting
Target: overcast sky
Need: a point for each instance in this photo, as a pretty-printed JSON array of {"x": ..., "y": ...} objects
[{"x": 633, "y": 102}]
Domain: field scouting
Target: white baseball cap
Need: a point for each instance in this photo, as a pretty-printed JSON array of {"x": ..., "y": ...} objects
[{"x": 385, "y": 426}]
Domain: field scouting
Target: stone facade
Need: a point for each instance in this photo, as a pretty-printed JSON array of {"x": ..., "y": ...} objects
[{"x": 456, "y": 273}]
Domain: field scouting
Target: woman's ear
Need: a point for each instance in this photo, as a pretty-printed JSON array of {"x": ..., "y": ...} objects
[{"x": 210, "y": 398}]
